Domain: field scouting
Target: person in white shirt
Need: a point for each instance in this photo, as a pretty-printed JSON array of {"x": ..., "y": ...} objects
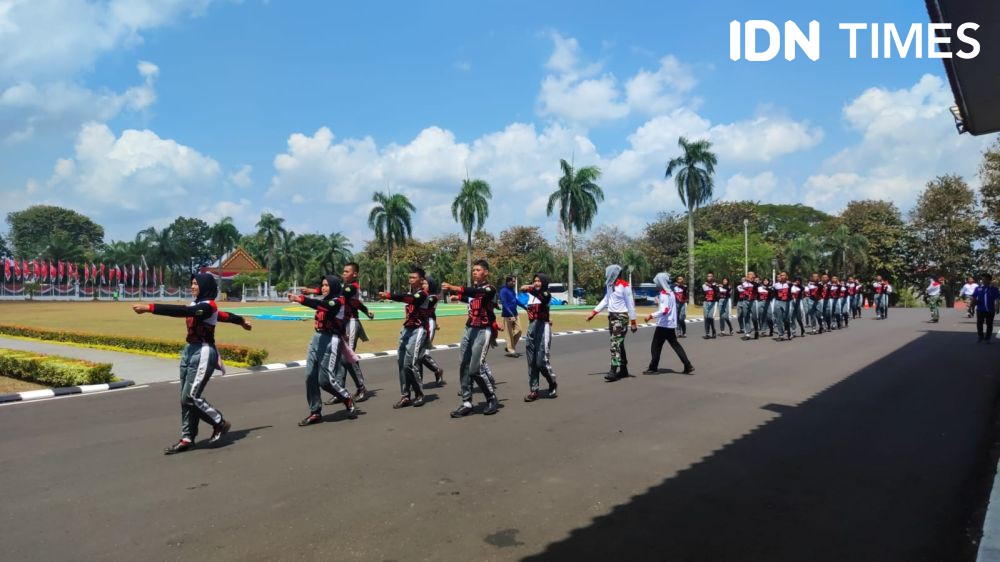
[
  {"x": 967, "y": 291},
  {"x": 621, "y": 314},
  {"x": 934, "y": 298},
  {"x": 666, "y": 326}
]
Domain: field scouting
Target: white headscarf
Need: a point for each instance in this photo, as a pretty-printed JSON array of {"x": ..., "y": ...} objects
[
  {"x": 662, "y": 280},
  {"x": 611, "y": 274}
]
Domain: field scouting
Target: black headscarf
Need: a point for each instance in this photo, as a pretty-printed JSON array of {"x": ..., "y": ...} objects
[
  {"x": 432, "y": 285},
  {"x": 544, "y": 279},
  {"x": 208, "y": 289},
  {"x": 335, "y": 286}
]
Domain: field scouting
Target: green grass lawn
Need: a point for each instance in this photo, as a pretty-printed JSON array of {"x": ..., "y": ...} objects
[{"x": 285, "y": 340}]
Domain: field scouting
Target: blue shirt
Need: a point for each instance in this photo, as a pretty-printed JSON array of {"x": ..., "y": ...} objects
[
  {"x": 986, "y": 298},
  {"x": 508, "y": 301}
]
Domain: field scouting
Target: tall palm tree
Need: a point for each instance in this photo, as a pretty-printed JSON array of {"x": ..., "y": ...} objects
[
  {"x": 163, "y": 252},
  {"x": 635, "y": 261},
  {"x": 392, "y": 222},
  {"x": 846, "y": 248},
  {"x": 224, "y": 236},
  {"x": 803, "y": 255},
  {"x": 291, "y": 258},
  {"x": 336, "y": 252},
  {"x": 270, "y": 231},
  {"x": 694, "y": 169},
  {"x": 470, "y": 209},
  {"x": 577, "y": 198}
]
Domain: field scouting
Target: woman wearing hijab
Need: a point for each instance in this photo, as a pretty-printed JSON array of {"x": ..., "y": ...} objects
[
  {"x": 199, "y": 358},
  {"x": 666, "y": 326},
  {"x": 538, "y": 342},
  {"x": 326, "y": 350},
  {"x": 725, "y": 307},
  {"x": 432, "y": 289},
  {"x": 621, "y": 315}
]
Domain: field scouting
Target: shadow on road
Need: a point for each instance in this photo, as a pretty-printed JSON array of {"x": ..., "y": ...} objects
[
  {"x": 891, "y": 463},
  {"x": 236, "y": 435}
]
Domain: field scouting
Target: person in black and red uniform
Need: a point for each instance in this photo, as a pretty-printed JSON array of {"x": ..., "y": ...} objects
[
  {"x": 412, "y": 339},
  {"x": 711, "y": 291},
  {"x": 764, "y": 316},
  {"x": 481, "y": 297},
  {"x": 199, "y": 359},
  {"x": 798, "y": 296},
  {"x": 538, "y": 342},
  {"x": 782, "y": 291},
  {"x": 725, "y": 307},
  {"x": 430, "y": 314},
  {"x": 326, "y": 350},
  {"x": 681, "y": 296}
]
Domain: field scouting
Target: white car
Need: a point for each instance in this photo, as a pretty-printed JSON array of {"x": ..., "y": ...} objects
[{"x": 559, "y": 291}]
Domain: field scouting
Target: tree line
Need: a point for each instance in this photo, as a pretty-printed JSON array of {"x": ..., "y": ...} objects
[{"x": 952, "y": 231}]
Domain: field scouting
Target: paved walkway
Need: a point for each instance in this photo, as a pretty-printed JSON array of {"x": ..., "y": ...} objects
[{"x": 142, "y": 369}]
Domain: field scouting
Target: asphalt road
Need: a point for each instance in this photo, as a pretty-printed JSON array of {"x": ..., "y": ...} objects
[{"x": 864, "y": 444}]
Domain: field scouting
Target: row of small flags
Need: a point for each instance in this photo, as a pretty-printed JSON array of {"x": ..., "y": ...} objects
[{"x": 94, "y": 274}]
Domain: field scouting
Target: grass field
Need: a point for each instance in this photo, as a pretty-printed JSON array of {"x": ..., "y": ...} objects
[
  {"x": 8, "y": 384},
  {"x": 285, "y": 340}
]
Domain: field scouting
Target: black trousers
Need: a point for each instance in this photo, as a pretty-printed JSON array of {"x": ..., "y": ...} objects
[
  {"x": 987, "y": 318},
  {"x": 660, "y": 336}
]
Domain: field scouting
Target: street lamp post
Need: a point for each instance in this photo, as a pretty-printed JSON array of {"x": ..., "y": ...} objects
[{"x": 746, "y": 246}]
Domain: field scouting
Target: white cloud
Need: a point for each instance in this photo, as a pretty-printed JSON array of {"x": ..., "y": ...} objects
[
  {"x": 763, "y": 139},
  {"x": 137, "y": 171},
  {"x": 765, "y": 187},
  {"x": 241, "y": 177},
  {"x": 907, "y": 138},
  {"x": 653, "y": 92}
]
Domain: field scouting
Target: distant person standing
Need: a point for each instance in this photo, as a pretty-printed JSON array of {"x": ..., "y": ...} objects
[
  {"x": 681, "y": 294},
  {"x": 509, "y": 304},
  {"x": 967, "y": 291},
  {"x": 984, "y": 300},
  {"x": 934, "y": 298}
]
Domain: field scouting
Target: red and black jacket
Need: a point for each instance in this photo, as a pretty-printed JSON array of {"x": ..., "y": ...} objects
[
  {"x": 201, "y": 319},
  {"x": 681, "y": 293},
  {"x": 481, "y": 299},
  {"x": 782, "y": 291},
  {"x": 724, "y": 293},
  {"x": 352, "y": 300},
  {"x": 539, "y": 310},
  {"x": 330, "y": 313},
  {"x": 416, "y": 316},
  {"x": 711, "y": 291}
]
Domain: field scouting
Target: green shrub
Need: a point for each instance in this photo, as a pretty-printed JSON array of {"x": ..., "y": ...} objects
[
  {"x": 52, "y": 370},
  {"x": 228, "y": 352}
]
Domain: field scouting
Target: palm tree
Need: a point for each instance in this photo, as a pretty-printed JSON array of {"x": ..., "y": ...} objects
[
  {"x": 443, "y": 265},
  {"x": 62, "y": 247},
  {"x": 636, "y": 262},
  {"x": 541, "y": 259},
  {"x": 392, "y": 223},
  {"x": 577, "y": 197},
  {"x": 224, "y": 236},
  {"x": 846, "y": 248},
  {"x": 470, "y": 209},
  {"x": 162, "y": 247},
  {"x": 694, "y": 183},
  {"x": 803, "y": 255},
  {"x": 336, "y": 253},
  {"x": 291, "y": 259},
  {"x": 271, "y": 231}
]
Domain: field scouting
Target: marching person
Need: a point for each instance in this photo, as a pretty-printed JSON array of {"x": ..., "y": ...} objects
[
  {"x": 814, "y": 310},
  {"x": 967, "y": 291},
  {"x": 711, "y": 291},
  {"x": 430, "y": 315},
  {"x": 538, "y": 343},
  {"x": 324, "y": 361},
  {"x": 842, "y": 312},
  {"x": 740, "y": 305},
  {"x": 621, "y": 316},
  {"x": 354, "y": 330},
  {"x": 984, "y": 299},
  {"x": 681, "y": 294},
  {"x": 509, "y": 304},
  {"x": 476, "y": 340},
  {"x": 854, "y": 296},
  {"x": 798, "y": 295},
  {"x": 666, "y": 326},
  {"x": 881, "y": 297},
  {"x": 934, "y": 298},
  {"x": 412, "y": 339},
  {"x": 782, "y": 291},
  {"x": 748, "y": 300},
  {"x": 764, "y": 316},
  {"x": 199, "y": 358},
  {"x": 725, "y": 307},
  {"x": 828, "y": 292}
]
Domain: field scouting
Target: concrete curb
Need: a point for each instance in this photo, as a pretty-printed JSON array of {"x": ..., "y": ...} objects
[
  {"x": 64, "y": 391},
  {"x": 393, "y": 352}
]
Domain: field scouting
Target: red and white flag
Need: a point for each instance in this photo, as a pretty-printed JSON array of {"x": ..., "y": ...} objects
[
  {"x": 6, "y": 268},
  {"x": 102, "y": 274},
  {"x": 52, "y": 272},
  {"x": 17, "y": 269}
]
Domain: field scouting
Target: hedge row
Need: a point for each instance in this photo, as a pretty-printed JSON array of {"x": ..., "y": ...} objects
[
  {"x": 52, "y": 370},
  {"x": 233, "y": 353}
]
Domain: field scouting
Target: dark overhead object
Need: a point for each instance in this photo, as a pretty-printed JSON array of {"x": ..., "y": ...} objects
[{"x": 974, "y": 82}]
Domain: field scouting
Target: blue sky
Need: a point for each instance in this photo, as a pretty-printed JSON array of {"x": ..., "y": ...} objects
[{"x": 134, "y": 112}]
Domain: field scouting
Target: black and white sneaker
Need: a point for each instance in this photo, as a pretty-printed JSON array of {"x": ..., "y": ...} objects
[
  {"x": 462, "y": 411},
  {"x": 220, "y": 430},
  {"x": 552, "y": 389},
  {"x": 491, "y": 407},
  {"x": 312, "y": 419}
]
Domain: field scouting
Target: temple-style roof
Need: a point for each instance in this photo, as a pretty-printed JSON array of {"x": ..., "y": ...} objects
[{"x": 239, "y": 261}]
